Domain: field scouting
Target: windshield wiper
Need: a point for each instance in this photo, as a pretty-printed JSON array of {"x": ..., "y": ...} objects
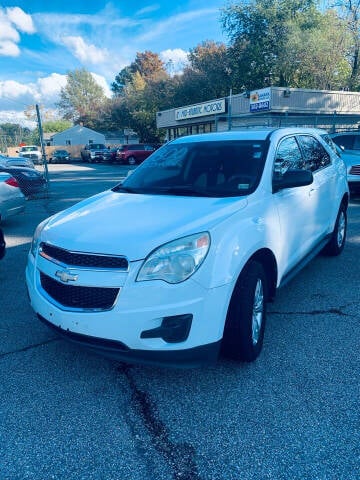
[
  {"x": 186, "y": 190},
  {"x": 121, "y": 188}
]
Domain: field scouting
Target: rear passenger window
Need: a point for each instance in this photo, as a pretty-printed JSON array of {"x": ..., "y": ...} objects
[{"x": 315, "y": 155}]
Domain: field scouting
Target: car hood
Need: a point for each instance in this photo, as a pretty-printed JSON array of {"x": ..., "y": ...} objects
[{"x": 132, "y": 224}]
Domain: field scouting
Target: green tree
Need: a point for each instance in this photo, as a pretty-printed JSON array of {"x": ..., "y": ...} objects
[
  {"x": 349, "y": 12},
  {"x": 55, "y": 126},
  {"x": 12, "y": 134},
  {"x": 137, "y": 95},
  {"x": 317, "y": 58},
  {"x": 209, "y": 65},
  {"x": 259, "y": 33},
  {"x": 82, "y": 99},
  {"x": 146, "y": 64}
]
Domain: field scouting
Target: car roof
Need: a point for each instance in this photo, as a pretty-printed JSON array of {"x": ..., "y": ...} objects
[
  {"x": 255, "y": 133},
  {"x": 16, "y": 168}
]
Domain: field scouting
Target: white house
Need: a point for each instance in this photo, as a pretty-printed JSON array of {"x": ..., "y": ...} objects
[{"x": 77, "y": 135}]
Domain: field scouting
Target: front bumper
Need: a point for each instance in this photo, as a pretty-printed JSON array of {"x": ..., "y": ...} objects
[
  {"x": 191, "y": 357},
  {"x": 132, "y": 330}
]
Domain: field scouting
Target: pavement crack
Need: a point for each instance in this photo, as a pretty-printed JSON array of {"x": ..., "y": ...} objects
[
  {"x": 180, "y": 457},
  {"x": 29, "y": 347}
]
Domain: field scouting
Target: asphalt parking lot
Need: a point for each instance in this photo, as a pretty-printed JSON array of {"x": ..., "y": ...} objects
[{"x": 68, "y": 414}]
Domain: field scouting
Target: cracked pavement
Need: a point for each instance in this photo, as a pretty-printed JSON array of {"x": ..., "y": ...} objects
[{"x": 67, "y": 414}]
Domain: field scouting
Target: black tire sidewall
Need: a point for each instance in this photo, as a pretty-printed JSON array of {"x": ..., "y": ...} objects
[
  {"x": 333, "y": 248},
  {"x": 237, "y": 341}
]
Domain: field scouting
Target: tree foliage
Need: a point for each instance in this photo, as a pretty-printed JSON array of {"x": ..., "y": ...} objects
[
  {"x": 12, "y": 134},
  {"x": 147, "y": 65},
  {"x": 82, "y": 99},
  {"x": 56, "y": 126},
  {"x": 291, "y": 43},
  {"x": 349, "y": 12}
]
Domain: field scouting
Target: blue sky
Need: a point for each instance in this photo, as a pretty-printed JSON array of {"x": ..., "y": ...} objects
[{"x": 41, "y": 41}]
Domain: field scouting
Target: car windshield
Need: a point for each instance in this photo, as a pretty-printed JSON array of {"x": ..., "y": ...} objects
[
  {"x": 209, "y": 169},
  {"x": 97, "y": 146},
  {"x": 28, "y": 149}
]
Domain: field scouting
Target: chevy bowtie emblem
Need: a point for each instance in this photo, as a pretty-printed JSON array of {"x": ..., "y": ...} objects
[{"x": 66, "y": 276}]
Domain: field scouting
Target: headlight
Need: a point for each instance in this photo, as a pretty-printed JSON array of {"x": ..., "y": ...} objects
[
  {"x": 36, "y": 238},
  {"x": 176, "y": 261}
]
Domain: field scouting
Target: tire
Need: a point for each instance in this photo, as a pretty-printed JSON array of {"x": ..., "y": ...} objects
[
  {"x": 245, "y": 322},
  {"x": 132, "y": 160},
  {"x": 338, "y": 237}
]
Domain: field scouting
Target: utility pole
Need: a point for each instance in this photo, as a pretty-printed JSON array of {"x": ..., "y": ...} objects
[
  {"x": 42, "y": 144},
  {"x": 230, "y": 111}
]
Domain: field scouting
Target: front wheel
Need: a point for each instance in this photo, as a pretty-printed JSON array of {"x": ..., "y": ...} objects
[
  {"x": 245, "y": 322},
  {"x": 338, "y": 236}
]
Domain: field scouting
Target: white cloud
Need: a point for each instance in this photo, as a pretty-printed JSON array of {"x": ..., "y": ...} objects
[
  {"x": 86, "y": 53},
  {"x": 149, "y": 9},
  {"x": 49, "y": 87},
  {"x": 176, "y": 23},
  {"x": 14, "y": 116},
  {"x": 12, "y": 20},
  {"x": 21, "y": 20},
  {"x": 7, "y": 31},
  {"x": 15, "y": 97},
  {"x": 175, "y": 60},
  {"x": 100, "y": 80},
  {"x": 9, "y": 49}
]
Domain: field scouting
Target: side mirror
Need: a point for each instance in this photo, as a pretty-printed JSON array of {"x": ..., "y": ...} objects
[{"x": 293, "y": 178}]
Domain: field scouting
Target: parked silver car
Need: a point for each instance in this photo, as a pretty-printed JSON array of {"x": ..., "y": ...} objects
[{"x": 12, "y": 200}]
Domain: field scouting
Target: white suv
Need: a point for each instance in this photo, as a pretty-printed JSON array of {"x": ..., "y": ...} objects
[{"x": 181, "y": 258}]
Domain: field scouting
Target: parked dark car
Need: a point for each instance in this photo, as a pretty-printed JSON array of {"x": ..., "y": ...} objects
[
  {"x": 110, "y": 155},
  {"x": 2, "y": 244},
  {"x": 133, "y": 154},
  {"x": 60, "y": 156},
  {"x": 30, "y": 180}
]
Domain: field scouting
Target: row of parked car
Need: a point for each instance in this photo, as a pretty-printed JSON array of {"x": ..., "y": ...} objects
[
  {"x": 19, "y": 178},
  {"x": 129, "y": 154}
]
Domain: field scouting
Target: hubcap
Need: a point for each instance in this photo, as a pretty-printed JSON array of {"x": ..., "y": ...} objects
[
  {"x": 258, "y": 310},
  {"x": 341, "y": 229}
]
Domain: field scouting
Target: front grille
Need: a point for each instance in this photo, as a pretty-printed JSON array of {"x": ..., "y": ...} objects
[
  {"x": 84, "y": 259},
  {"x": 355, "y": 170},
  {"x": 72, "y": 296}
]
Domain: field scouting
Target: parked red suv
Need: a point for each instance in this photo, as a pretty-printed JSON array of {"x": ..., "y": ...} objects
[{"x": 134, "y": 153}]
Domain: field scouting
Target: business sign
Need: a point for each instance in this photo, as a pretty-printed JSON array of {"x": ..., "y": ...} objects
[
  {"x": 260, "y": 100},
  {"x": 200, "y": 110}
]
